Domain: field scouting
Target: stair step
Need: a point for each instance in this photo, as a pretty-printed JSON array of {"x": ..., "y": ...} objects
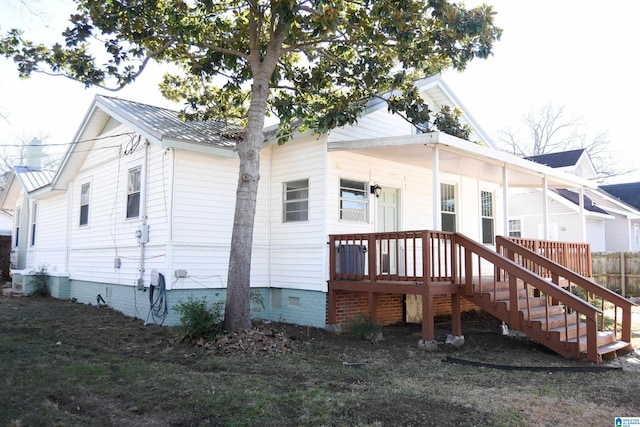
[
  {"x": 555, "y": 321},
  {"x": 612, "y": 347},
  {"x": 533, "y": 302},
  {"x": 540, "y": 311}
]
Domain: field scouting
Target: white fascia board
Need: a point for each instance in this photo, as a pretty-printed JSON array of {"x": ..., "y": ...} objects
[
  {"x": 198, "y": 148},
  {"x": 453, "y": 144}
]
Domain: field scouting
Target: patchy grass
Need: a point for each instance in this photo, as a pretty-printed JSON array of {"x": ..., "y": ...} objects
[{"x": 68, "y": 364}]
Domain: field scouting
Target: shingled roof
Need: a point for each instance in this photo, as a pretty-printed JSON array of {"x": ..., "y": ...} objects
[
  {"x": 628, "y": 193},
  {"x": 165, "y": 124},
  {"x": 558, "y": 160},
  {"x": 573, "y": 197}
]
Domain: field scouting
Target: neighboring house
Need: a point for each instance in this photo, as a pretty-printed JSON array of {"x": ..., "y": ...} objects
[
  {"x": 6, "y": 226},
  {"x": 604, "y": 222},
  {"x": 141, "y": 190}
]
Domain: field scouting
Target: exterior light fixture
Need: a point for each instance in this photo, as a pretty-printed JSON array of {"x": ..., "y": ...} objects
[{"x": 376, "y": 189}]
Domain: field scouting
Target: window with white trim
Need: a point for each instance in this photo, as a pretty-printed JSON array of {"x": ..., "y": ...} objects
[
  {"x": 17, "y": 233},
  {"x": 85, "y": 193},
  {"x": 448, "y": 207},
  {"x": 34, "y": 220},
  {"x": 515, "y": 227},
  {"x": 486, "y": 206},
  {"x": 295, "y": 201},
  {"x": 133, "y": 192},
  {"x": 354, "y": 200},
  {"x": 636, "y": 234}
]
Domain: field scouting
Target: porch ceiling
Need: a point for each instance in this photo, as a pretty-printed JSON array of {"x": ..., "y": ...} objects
[{"x": 462, "y": 158}]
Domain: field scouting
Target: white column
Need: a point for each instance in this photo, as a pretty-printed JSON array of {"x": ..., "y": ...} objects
[
  {"x": 583, "y": 219},
  {"x": 437, "y": 219},
  {"x": 505, "y": 201},
  {"x": 545, "y": 207}
]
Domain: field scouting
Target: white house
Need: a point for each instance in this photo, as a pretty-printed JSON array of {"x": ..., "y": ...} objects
[
  {"x": 600, "y": 219},
  {"x": 140, "y": 190}
]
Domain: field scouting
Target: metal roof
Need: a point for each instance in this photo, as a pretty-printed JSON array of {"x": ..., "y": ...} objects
[
  {"x": 33, "y": 178},
  {"x": 166, "y": 124}
]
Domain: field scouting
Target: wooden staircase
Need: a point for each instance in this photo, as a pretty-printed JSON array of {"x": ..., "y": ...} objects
[
  {"x": 545, "y": 309},
  {"x": 552, "y": 325}
]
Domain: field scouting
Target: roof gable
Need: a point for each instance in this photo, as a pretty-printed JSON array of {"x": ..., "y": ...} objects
[
  {"x": 576, "y": 161},
  {"x": 441, "y": 94}
]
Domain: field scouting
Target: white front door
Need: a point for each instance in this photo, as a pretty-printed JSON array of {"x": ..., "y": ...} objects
[{"x": 387, "y": 221}]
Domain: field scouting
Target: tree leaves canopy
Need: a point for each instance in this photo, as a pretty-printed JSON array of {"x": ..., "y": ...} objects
[{"x": 325, "y": 58}]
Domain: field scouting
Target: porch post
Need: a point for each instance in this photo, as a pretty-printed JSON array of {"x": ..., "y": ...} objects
[
  {"x": 428, "y": 324},
  {"x": 456, "y": 317},
  {"x": 545, "y": 208},
  {"x": 437, "y": 219},
  {"x": 583, "y": 219},
  {"x": 505, "y": 201}
]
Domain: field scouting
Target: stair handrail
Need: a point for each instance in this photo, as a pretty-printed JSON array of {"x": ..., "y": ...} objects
[
  {"x": 516, "y": 270},
  {"x": 558, "y": 270}
]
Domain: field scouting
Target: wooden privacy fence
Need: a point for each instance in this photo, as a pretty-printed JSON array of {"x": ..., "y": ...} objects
[{"x": 618, "y": 271}]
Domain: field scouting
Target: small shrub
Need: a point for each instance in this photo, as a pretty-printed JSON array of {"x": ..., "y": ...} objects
[
  {"x": 363, "y": 328},
  {"x": 199, "y": 319},
  {"x": 39, "y": 282}
]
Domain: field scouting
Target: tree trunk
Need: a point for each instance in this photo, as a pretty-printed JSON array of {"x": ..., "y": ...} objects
[{"x": 237, "y": 309}]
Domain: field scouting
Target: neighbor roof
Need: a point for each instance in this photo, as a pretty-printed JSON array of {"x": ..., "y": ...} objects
[
  {"x": 628, "y": 193},
  {"x": 558, "y": 160},
  {"x": 165, "y": 124},
  {"x": 32, "y": 178},
  {"x": 573, "y": 197}
]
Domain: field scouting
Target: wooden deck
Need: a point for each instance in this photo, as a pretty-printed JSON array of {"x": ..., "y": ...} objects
[{"x": 434, "y": 263}]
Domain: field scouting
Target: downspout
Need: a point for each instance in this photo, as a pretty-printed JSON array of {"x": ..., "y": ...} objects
[
  {"x": 143, "y": 230},
  {"x": 169, "y": 209}
]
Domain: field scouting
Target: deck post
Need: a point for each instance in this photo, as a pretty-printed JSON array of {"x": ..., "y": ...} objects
[
  {"x": 428, "y": 324},
  {"x": 456, "y": 316}
]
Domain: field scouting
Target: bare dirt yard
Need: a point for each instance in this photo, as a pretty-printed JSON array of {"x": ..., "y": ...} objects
[{"x": 69, "y": 364}]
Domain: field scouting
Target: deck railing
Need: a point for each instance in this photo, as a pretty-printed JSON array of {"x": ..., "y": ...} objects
[
  {"x": 574, "y": 256},
  {"x": 402, "y": 256}
]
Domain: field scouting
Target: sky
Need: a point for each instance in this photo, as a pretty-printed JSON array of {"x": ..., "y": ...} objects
[{"x": 581, "y": 54}]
